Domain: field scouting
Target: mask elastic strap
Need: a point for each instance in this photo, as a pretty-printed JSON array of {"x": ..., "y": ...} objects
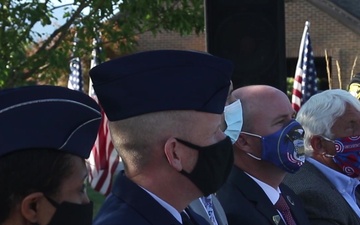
[
  {"x": 327, "y": 139},
  {"x": 188, "y": 144},
  {"x": 251, "y": 134},
  {"x": 328, "y": 155},
  {"x": 252, "y": 156},
  {"x": 52, "y": 201},
  {"x": 325, "y": 154},
  {"x": 199, "y": 148}
]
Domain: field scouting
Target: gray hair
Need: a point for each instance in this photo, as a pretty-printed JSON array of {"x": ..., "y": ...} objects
[{"x": 319, "y": 113}]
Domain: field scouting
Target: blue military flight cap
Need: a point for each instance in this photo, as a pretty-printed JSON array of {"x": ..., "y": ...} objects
[
  {"x": 48, "y": 117},
  {"x": 162, "y": 80}
]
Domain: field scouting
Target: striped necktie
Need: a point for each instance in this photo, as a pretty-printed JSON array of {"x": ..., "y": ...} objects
[{"x": 209, "y": 206}]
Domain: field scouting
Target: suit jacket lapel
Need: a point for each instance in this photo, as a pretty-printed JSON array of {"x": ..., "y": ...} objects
[
  {"x": 297, "y": 214},
  {"x": 198, "y": 207},
  {"x": 357, "y": 195},
  {"x": 219, "y": 212},
  {"x": 255, "y": 194},
  {"x": 196, "y": 218}
]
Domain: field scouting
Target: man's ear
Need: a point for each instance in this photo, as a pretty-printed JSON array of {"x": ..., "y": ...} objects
[
  {"x": 317, "y": 144},
  {"x": 29, "y": 206},
  {"x": 241, "y": 142},
  {"x": 173, "y": 153}
]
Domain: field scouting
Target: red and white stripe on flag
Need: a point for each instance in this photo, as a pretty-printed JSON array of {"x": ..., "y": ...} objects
[
  {"x": 297, "y": 92},
  {"x": 104, "y": 160}
]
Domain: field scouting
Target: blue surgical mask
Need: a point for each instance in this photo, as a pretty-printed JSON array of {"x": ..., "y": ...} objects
[
  {"x": 284, "y": 148},
  {"x": 234, "y": 120}
]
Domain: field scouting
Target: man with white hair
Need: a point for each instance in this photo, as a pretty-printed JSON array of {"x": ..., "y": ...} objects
[{"x": 328, "y": 180}]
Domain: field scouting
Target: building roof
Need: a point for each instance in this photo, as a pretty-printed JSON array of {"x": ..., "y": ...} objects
[
  {"x": 346, "y": 12},
  {"x": 351, "y": 6}
]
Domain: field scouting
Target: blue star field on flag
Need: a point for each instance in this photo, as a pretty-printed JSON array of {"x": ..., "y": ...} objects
[
  {"x": 75, "y": 81},
  {"x": 309, "y": 81},
  {"x": 305, "y": 80}
]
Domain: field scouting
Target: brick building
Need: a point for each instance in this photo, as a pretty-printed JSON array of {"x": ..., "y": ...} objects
[{"x": 335, "y": 26}]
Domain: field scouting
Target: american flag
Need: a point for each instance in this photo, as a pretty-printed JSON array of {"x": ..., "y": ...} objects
[
  {"x": 305, "y": 81},
  {"x": 75, "y": 81},
  {"x": 104, "y": 160}
]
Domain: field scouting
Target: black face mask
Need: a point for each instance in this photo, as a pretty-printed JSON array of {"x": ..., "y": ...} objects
[
  {"x": 212, "y": 167},
  {"x": 71, "y": 213}
]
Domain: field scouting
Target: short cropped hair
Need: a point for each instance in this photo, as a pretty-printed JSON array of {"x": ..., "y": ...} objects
[
  {"x": 134, "y": 137},
  {"x": 319, "y": 113}
]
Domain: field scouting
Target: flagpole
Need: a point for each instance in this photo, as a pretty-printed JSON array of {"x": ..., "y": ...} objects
[
  {"x": 302, "y": 43},
  {"x": 95, "y": 58},
  {"x": 92, "y": 64}
]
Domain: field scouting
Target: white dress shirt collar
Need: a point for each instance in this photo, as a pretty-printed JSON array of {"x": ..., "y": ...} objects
[
  {"x": 166, "y": 205},
  {"x": 272, "y": 193}
]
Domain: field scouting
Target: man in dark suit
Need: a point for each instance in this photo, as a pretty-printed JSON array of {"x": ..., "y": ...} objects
[
  {"x": 165, "y": 111},
  {"x": 329, "y": 180},
  {"x": 269, "y": 146}
]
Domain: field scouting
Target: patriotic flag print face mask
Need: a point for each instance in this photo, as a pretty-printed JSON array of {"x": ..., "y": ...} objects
[
  {"x": 284, "y": 148},
  {"x": 347, "y": 155}
]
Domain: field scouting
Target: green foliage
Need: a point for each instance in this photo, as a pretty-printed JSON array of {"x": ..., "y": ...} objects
[
  {"x": 289, "y": 86},
  {"x": 96, "y": 198},
  {"x": 28, "y": 57}
]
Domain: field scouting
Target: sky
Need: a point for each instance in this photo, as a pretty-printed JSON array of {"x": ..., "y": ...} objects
[
  {"x": 59, "y": 20},
  {"x": 58, "y": 14}
]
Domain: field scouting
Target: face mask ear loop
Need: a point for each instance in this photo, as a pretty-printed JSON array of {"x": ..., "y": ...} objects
[
  {"x": 52, "y": 202},
  {"x": 328, "y": 155},
  {"x": 332, "y": 141},
  {"x": 327, "y": 139},
  {"x": 252, "y": 156},
  {"x": 254, "y": 135},
  {"x": 188, "y": 144},
  {"x": 251, "y": 134}
]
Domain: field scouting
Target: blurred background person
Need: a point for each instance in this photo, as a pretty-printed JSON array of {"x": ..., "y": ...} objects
[{"x": 354, "y": 86}]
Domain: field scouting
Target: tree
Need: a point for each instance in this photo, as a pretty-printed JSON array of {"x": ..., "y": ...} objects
[{"x": 27, "y": 56}]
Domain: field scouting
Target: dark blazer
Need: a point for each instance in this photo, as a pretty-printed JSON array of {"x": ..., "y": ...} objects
[
  {"x": 245, "y": 203},
  {"x": 128, "y": 204},
  {"x": 322, "y": 201}
]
